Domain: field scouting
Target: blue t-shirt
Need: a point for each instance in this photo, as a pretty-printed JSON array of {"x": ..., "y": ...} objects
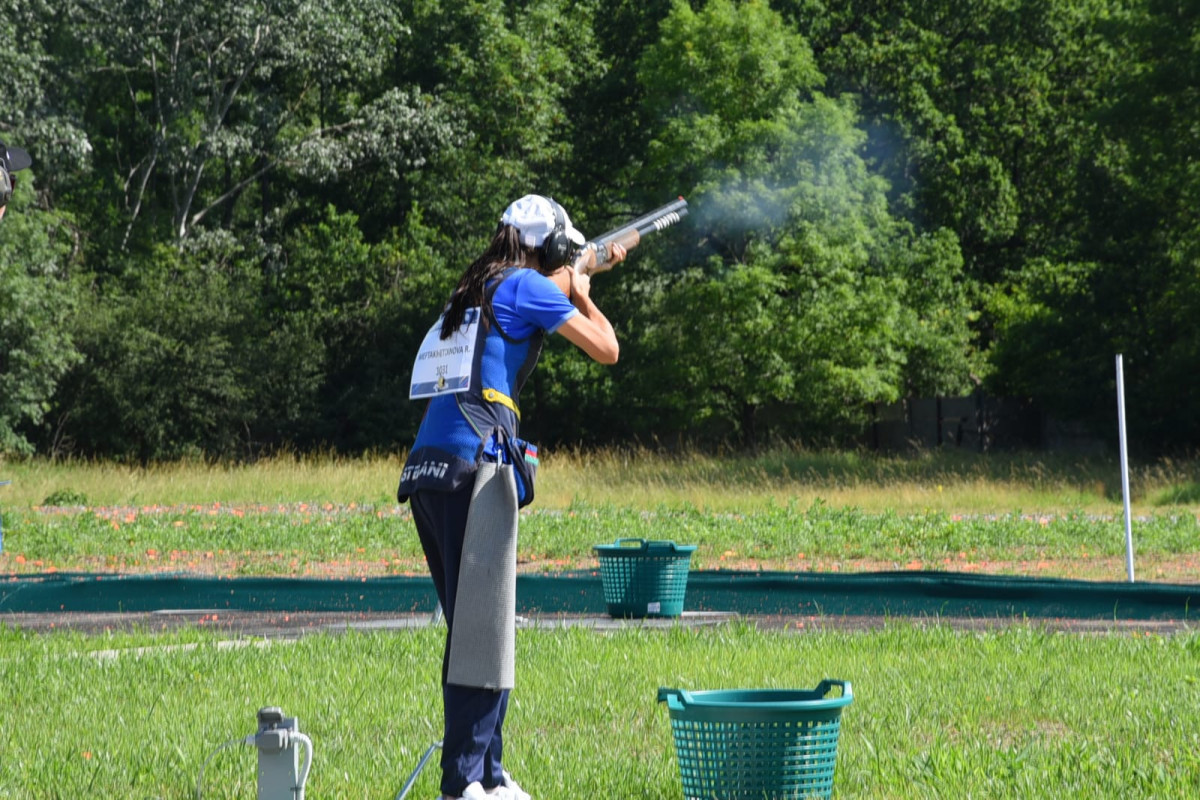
[
  {"x": 524, "y": 303},
  {"x": 528, "y": 301}
]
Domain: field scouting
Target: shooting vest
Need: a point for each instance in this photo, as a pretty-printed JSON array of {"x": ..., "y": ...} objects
[{"x": 462, "y": 427}]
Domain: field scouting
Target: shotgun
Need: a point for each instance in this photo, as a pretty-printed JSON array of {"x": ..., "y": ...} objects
[{"x": 630, "y": 234}]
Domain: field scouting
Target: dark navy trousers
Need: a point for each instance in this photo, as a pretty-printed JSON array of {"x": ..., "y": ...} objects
[{"x": 472, "y": 744}]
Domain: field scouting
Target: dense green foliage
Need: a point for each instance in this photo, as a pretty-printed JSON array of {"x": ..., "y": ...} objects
[{"x": 243, "y": 215}]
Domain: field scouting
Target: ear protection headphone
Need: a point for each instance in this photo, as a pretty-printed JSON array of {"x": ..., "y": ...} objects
[{"x": 556, "y": 248}]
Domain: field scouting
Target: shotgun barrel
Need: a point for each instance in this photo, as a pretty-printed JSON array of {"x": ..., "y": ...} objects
[{"x": 631, "y": 233}]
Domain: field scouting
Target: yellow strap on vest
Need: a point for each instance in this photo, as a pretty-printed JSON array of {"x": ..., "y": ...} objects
[{"x": 492, "y": 396}]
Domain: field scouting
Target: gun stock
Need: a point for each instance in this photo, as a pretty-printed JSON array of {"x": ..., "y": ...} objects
[{"x": 630, "y": 235}]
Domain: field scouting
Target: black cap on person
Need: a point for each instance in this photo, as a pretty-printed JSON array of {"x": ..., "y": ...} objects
[{"x": 14, "y": 158}]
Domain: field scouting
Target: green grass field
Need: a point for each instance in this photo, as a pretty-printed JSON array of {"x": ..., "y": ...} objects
[
  {"x": 1017, "y": 713},
  {"x": 938, "y": 713},
  {"x": 953, "y": 482},
  {"x": 328, "y": 540},
  {"x": 784, "y": 510}
]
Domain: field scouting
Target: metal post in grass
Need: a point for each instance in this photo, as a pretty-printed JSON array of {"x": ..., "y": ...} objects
[
  {"x": 2, "y": 483},
  {"x": 1124, "y": 468}
]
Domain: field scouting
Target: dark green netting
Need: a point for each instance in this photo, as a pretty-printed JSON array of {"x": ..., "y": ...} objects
[{"x": 752, "y": 593}]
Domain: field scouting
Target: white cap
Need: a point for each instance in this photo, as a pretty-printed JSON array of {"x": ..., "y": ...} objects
[{"x": 533, "y": 217}]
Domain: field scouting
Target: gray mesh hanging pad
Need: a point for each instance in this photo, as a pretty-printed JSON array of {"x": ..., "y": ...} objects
[{"x": 483, "y": 639}]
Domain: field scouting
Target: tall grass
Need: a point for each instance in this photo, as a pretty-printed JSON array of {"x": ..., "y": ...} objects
[
  {"x": 324, "y": 539},
  {"x": 636, "y": 477},
  {"x": 783, "y": 509},
  {"x": 283, "y": 479},
  {"x": 1017, "y": 713}
]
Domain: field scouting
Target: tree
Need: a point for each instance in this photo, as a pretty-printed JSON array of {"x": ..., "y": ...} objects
[
  {"x": 368, "y": 306},
  {"x": 169, "y": 364},
  {"x": 216, "y": 97},
  {"x": 1130, "y": 286},
  {"x": 980, "y": 121},
  {"x": 37, "y": 299},
  {"x": 34, "y": 114},
  {"x": 510, "y": 72},
  {"x": 803, "y": 301}
]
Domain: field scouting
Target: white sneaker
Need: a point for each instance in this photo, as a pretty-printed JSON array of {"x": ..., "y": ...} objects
[
  {"x": 474, "y": 791},
  {"x": 509, "y": 790}
]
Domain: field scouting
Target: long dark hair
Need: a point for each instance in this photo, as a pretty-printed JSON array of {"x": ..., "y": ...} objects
[{"x": 504, "y": 251}]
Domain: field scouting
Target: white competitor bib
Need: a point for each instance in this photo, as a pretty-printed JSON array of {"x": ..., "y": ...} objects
[{"x": 443, "y": 366}]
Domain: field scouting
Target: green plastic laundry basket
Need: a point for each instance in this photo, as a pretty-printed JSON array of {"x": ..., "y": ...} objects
[
  {"x": 644, "y": 578},
  {"x": 757, "y": 744}
]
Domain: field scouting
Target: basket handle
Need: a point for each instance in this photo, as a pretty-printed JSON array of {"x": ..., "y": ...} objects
[
  {"x": 824, "y": 686},
  {"x": 682, "y": 697},
  {"x": 646, "y": 544},
  {"x": 621, "y": 542}
]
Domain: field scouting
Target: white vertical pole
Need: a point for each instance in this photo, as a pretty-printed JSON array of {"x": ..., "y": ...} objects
[{"x": 1124, "y": 468}]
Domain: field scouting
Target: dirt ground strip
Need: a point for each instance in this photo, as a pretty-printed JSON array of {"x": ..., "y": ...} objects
[{"x": 290, "y": 625}]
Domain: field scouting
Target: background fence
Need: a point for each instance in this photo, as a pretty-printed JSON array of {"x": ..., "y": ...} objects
[{"x": 977, "y": 422}]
